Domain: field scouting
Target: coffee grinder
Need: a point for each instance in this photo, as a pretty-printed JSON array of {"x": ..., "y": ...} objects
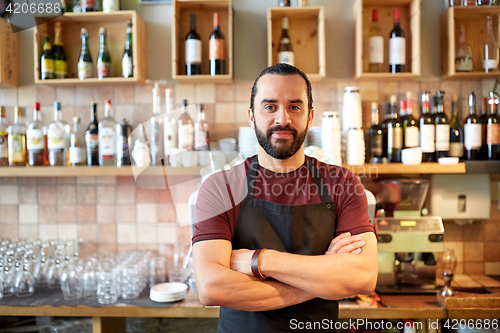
[{"x": 407, "y": 241}]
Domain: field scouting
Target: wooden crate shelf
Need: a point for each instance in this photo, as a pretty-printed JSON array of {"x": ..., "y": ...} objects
[
  {"x": 204, "y": 10},
  {"x": 8, "y": 54},
  {"x": 307, "y": 34},
  {"x": 410, "y": 23},
  {"x": 116, "y": 26},
  {"x": 62, "y": 171},
  {"x": 474, "y": 21}
]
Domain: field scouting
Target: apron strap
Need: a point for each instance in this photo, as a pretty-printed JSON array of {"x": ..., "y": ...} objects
[{"x": 252, "y": 176}]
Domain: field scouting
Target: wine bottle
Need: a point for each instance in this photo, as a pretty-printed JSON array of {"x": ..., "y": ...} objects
[
  {"x": 60, "y": 63},
  {"x": 427, "y": 129},
  {"x": 169, "y": 126},
  {"x": 375, "y": 45},
  {"x": 442, "y": 127},
  {"x": 484, "y": 120},
  {"x": 493, "y": 129},
  {"x": 193, "y": 49},
  {"x": 47, "y": 60},
  {"x": 490, "y": 49},
  {"x": 155, "y": 139},
  {"x": 201, "y": 138},
  {"x": 216, "y": 49},
  {"x": 56, "y": 137},
  {"x": 85, "y": 62},
  {"x": 374, "y": 138},
  {"x": 472, "y": 131},
  {"x": 463, "y": 54},
  {"x": 456, "y": 132},
  {"x": 397, "y": 46},
  {"x": 186, "y": 129},
  {"x": 77, "y": 144},
  {"x": 35, "y": 141},
  {"x": 104, "y": 58},
  {"x": 394, "y": 132},
  {"x": 285, "y": 49},
  {"x": 92, "y": 137},
  {"x": 140, "y": 153},
  {"x": 17, "y": 139},
  {"x": 4, "y": 149},
  {"x": 107, "y": 141},
  {"x": 127, "y": 60},
  {"x": 411, "y": 133},
  {"x": 124, "y": 142}
]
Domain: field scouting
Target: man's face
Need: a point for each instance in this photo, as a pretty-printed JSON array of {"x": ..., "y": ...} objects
[{"x": 281, "y": 117}]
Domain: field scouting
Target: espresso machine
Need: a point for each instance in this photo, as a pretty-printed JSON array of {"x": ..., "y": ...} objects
[{"x": 407, "y": 241}]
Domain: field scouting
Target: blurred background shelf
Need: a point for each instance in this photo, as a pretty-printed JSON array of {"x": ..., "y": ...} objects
[{"x": 62, "y": 171}]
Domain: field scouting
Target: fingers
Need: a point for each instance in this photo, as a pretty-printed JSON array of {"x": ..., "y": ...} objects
[
  {"x": 345, "y": 243},
  {"x": 353, "y": 247}
]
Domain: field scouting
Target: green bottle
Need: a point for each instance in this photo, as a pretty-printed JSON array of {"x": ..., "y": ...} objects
[
  {"x": 85, "y": 61},
  {"x": 104, "y": 59},
  {"x": 127, "y": 60},
  {"x": 60, "y": 63},
  {"x": 47, "y": 60}
]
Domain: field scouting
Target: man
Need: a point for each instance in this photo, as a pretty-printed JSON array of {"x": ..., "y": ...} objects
[{"x": 311, "y": 218}]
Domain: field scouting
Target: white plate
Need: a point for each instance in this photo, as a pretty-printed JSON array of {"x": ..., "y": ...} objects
[
  {"x": 448, "y": 160},
  {"x": 167, "y": 299},
  {"x": 170, "y": 287}
]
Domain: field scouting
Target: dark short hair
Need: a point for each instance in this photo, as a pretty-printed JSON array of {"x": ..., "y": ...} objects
[{"x": 283, "y": 69}]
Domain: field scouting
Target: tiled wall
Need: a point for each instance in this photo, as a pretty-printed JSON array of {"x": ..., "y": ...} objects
[{"x": 113, "y": 213}]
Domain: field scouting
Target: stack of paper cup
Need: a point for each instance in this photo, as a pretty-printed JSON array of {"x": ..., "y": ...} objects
[
  {"x": 314, "y": 136},
  {"x": 355, "y": 151},
  {"x": 330, "y": 138},
  {"x": 351, "y": 115}
]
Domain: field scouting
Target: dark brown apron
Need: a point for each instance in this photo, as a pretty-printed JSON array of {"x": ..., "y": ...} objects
[{"x": 305, "y": 229}]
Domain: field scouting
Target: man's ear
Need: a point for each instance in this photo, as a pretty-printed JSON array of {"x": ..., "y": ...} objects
[
  {"x": 251, "y": 118},
  {"x": 310, "y": 117}
]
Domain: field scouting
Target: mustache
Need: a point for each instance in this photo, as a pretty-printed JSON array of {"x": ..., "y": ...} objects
[{"x": 278, "y": 128}]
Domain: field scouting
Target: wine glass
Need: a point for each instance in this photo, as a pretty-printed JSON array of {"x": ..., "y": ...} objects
[{"x": 449, "y": 262}]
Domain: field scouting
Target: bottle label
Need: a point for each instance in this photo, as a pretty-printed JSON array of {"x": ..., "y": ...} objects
[
  {"x": 395, "y": 138},
  {"x": 412, "y": 137},
  {"x": 106, "y": 143},
  {"x": 193, "y": 51},
  {"x": 200, "y": 141},
  {"x": 122, "y": 144},
  {"x": 463, "y": 64},
  {"x": 103, "y": 69},
  {"x": 427, "y": 136},
  {"x": 216, "y": 49},
  {"x": 55, "y": 137},
  {"x": 456, "y": 149},
  {"x": 47, "y": 68},
  {"x": 92, "y": 142},
  {"x": 170, "y": 136},
  {"x": 76, "y": 155},
  {"x": 472, "y": 136},
  {"x": 397, "y": 51},
  {"x": 140, "y": 154},
  {"x": 493, "y": 134},
  {"x": 84, "y": 70},
  {"x": 108, "y": 6},
  {"x": 490, "y": 64},
  {"x": 87, "y": 4},
  {"x": 126, "y": 66},
  {"x": 442, "y": 137},
  {"x": 4, "y": 151},
  {"x": 376, "y": 146},
  {"x": 286, "y": 57},
  {"x": 34, "y": 139},
  {"x": 16, "y": 148},
  {"x": 186, "y": 137},
  {"x": 60, "y": 69},
  {"x": 376, "y": 50}
]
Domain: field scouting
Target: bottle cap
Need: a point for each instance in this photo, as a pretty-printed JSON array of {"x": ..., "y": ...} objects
[
  {"x": 57, "y": 105},
  {"x": 36, "y": 105},
  {"x": 375, "y": 15},
  {"x": 374, "y": 105},
  {"x": 394, "y": 99},
  {"x": 397, "y": 15},
  {"x": 84, "y": 31},
  {"x": 102, "y": 30}
]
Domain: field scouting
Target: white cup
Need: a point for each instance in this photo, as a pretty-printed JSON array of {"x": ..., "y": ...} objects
[
  {"x": 175, "y": 157},
  {"x": 227, "y": 144},
  {"x": 411, "y": 156},
  {"x": 190, "y": 158},
  {"x": 204, "y": 158}
]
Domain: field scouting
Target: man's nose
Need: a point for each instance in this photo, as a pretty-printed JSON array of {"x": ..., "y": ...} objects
[{"x": 282, "y": 116}]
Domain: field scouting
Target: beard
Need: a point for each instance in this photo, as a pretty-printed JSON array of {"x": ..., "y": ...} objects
[{"x": 280, "y": 150}]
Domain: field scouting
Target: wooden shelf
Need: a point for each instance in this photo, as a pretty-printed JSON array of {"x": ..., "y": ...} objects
[
  {"x": 474, "y": 21},
  {"x": 204, "y": 10},
  {"x": 373, "y": 170},
  {"x": 410, "y": 23},
  {"x": 116, "y": 26},
  {"x": 307, "y": 35},
  {"x": 60, "y": 171},
  {"x": 8, "y": 54}
]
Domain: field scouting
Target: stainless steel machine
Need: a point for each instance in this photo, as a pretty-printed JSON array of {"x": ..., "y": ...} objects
[{"x": 407, "y": 242}]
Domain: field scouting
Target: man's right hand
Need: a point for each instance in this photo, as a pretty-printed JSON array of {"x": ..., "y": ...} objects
[{"x": 345, "y": 243}]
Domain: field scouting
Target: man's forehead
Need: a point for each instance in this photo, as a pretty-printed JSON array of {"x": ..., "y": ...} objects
[{"x": 271, "y": 79}]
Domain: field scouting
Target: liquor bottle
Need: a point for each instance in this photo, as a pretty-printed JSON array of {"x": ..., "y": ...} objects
[
  {"x": 106, "y": 135},
  {"x": 490, "y": 49},
  {"x": 411, "y": 133},
  {"x": 104, "y": 59},
  {"x": 397, "y": 46},
  {"x": 484, "y": 120},
  {"x": 87, "y": 6},
  {"x": 92, "y": 137},
  {"x": 67, "y": 6},
  {"x": 185, "y": 129},
  {"x": 4, "y": 147},
  {"x": 442, "y": 127},
  {"x": 123, "y": 142},
  {"x": 169, "y": 126},
  {"x": 285, "y": 49},
  {"x": 217, "y": 49},
  {"x": 127, "y": 60},
  {"x": 85, "y": 62},
  {"x": 394, "y": 131},
  {"x": 17, "y": 139},
  {"x": 77, "y": 144},
  {"x": 201, "y": 135},
  {"x": 456, "y": 132},
  {"x": 35, "y": 140},
  {"x": 60, "y": 63},
  {"x": 56, "y": 138},
  {"x": 375, "y": 46},
  {"x": 472, "y": 131},
  {"x": 140, "y": 153},
  {"x": 47, "y": 60},
  {"x": 374, "y": 137},
  {"x": 193, "y": 49},
  {"x": 427, "y": 129},
  {"x": 155, "y": 139},
  {"x": 493, "y": 129},
  {"x": 463, "y": 54}
]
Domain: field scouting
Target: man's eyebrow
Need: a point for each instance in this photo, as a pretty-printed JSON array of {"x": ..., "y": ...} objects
[
  {"x": 297, "y": 101},
  {"x": 269, "y": 101}
]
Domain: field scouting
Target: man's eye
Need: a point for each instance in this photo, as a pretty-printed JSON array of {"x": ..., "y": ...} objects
[
  {"x": 295, "y": 107},
  {"x": 269, "y": 107}
]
